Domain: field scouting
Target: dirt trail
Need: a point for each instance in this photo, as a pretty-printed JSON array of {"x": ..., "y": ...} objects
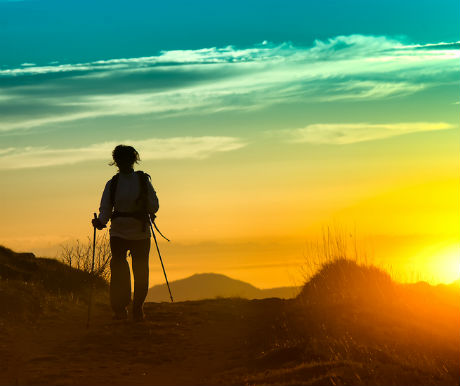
[
  {"x": 231, "y": 342},
  {"x": 182, "y": 343}
]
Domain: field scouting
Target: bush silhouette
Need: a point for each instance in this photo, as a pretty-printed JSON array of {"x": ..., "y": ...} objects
[{"x": 344, "y": 280}]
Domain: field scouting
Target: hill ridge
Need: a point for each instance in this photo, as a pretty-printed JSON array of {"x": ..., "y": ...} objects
[{"x": 208, "y": 285}]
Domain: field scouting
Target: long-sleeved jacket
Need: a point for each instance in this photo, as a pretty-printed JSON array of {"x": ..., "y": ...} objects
[{"x": 127, "y": 191}]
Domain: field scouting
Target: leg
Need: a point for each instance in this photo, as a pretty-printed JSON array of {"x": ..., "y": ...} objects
[
  {"x": 140, "y": 253},
  {"x": 120, "y": 280}
]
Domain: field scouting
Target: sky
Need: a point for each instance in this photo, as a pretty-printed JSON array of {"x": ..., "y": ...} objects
[{"x": 262, "y": 124}]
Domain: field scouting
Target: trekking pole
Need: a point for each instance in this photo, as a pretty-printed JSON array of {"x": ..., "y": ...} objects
[
  {"x": 91, "y": 277},
  {"x": 161, "y": 260}
]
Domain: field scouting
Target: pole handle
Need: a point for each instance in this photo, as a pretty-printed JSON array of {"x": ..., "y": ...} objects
[{"x": 95, "y": 216}]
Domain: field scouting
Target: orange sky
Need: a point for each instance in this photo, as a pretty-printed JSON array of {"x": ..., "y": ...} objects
[{"x": 252, "y": 219}]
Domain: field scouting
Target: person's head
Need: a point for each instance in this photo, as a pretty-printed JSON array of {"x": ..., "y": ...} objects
[{"x": 125, "y": 157}]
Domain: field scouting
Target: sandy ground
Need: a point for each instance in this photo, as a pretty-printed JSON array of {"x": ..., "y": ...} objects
[
  {"x": 200, "y": 342},
  {"x": 230, "y": 342}
]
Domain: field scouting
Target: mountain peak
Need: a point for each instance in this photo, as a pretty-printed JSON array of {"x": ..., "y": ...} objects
[{"x": 210, "y": 285}]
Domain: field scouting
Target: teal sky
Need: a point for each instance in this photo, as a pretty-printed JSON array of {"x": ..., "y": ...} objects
[
  {"x": 73, "y": 31},
  {"x": 68, "y": 67},
  {"x": 288, "y": 101}
]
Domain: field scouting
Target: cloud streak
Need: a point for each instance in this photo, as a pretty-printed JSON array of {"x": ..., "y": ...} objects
[
  {"x": 352, "y": 68},
  {"x": 150, "y": 149},
  {"x": 343, "y": 134}
]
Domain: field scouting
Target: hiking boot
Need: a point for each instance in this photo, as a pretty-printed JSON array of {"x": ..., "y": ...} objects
[
  {"x": 138, "y": 313},
  {"x": 120, "y": 315}
]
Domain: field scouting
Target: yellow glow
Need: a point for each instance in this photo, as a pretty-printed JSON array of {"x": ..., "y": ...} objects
[
  {"x": 449, "y": 263},
  {"x": 443, "y": 264}
]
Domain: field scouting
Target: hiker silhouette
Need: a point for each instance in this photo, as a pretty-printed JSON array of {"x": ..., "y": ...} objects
[{"x": 129, "y": 201}]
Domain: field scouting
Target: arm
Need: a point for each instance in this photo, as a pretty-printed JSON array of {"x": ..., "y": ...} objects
[{"x": 105, "y": 209}]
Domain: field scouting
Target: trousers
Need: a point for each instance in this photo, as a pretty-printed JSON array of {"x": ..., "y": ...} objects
[{"x": 120, "y": 280}]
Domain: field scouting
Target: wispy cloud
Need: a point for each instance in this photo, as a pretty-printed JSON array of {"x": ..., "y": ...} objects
[
  {"x": 342, "y": 134},
  {"x": 354, "y": 67},
  {"x": 149, "y": 149}
]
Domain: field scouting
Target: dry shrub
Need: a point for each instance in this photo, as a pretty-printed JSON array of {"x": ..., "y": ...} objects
[
  {"x": 337, "y": 270},
  {"x": 345, "y": 280},
  {"x": 79, "y": 254}
]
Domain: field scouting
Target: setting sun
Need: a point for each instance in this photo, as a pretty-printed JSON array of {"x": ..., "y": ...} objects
[{"x": 442, "y": 264}]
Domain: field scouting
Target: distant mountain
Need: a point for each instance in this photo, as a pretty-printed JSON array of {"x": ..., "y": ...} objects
[{"x": 212, "y": 285}]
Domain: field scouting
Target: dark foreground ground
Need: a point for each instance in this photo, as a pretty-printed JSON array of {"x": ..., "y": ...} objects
[
  {"x": 227, "y": 341},
  {"x": 350, "y": 325}
]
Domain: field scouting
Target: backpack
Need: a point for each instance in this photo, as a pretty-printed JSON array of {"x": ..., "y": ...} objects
[{"x": 142, "y": 215}]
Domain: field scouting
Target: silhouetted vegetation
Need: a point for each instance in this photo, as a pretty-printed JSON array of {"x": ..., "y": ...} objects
[
  {"x": 79, "y": 254},
  {"x": 345, "y": 281},
  {"x": 29, "y": 284}
]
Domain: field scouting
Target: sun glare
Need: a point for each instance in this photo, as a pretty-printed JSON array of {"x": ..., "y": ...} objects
[{"x": 444, "y": 264}]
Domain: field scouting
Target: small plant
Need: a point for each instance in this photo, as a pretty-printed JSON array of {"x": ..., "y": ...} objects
[
  {"x": 337, "y": 270},
  {"x": 333, "y": 244},
  {"x": 78, "y": 254}
]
